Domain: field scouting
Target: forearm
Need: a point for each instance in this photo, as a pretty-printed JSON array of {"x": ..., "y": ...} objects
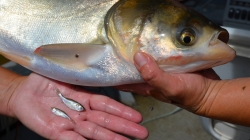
[
  {"x": 8, "y": 83},
  {"x": 229, "y": 100}
]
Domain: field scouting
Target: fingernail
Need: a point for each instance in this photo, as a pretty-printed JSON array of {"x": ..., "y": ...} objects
[{"x": 140, "y": 59}]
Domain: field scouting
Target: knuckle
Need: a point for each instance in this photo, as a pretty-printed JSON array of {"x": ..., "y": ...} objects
[
  {"x": 97, "y": 133},
  {"x": 106, "y": 121},
  {"x": 176, "y": 93},
  {"x": 150, "y": 75}
]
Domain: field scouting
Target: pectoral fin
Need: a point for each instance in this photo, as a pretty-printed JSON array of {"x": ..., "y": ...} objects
[
  {"x": 22, "y": 60},
  {"x": 72, "y": 56}
]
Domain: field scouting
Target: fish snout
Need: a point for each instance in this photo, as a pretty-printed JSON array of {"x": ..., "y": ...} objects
[{"x": 219, "y": 50}]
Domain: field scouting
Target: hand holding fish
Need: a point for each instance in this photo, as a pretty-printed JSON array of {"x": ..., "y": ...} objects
[
  {"x": 202, "y": 93},
  {"x": 31, "y": 98}
]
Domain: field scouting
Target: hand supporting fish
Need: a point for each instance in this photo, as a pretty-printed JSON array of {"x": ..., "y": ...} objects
[{"x": 92, "y": 43}]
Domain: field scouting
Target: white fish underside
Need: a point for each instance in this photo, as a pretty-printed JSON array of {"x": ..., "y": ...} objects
[{"x": 25, "y": 25}]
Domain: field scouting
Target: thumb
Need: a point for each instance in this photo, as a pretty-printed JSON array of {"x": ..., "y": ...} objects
[
  {"x": 150, "y": 71},
  {"x": 166, "y": 87}
]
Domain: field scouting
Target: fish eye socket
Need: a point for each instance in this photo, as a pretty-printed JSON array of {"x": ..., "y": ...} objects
[{"x": 187, "y": 37}]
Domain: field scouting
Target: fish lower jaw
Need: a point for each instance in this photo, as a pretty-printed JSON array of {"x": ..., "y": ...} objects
[{"x": 192, "y": 67}]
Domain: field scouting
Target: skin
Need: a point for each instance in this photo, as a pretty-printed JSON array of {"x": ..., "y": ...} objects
[
  {"x": 202, "y": 93},
  {"x": 30, "y": 98}
]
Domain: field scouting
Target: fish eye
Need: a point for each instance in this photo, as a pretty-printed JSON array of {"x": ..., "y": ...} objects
[{"x": 187, "y": 37}]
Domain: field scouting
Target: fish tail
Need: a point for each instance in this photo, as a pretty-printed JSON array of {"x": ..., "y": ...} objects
[
  {"x": 58, "y": 92},
  {"x": 72, "y": 121}
]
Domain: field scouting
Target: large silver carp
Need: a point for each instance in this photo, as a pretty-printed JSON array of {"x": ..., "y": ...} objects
[{"x": 92, "y": 42}]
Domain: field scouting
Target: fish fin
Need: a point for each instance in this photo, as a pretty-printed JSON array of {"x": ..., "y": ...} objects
[
  {"x": 72, "y": 121},
  {"x": 72, "y": 56},
  {"x": 58, "y": 91},
  {"x": 22, "y": 60}
]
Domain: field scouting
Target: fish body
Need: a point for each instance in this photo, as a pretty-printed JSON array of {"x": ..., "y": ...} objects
[
  {"x": 71, "y": 103},
  {"x": 60, "y": 113},
  {"x": 92, "y": 43}
]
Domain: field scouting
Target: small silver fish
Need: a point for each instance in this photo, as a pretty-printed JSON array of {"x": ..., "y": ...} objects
[
  {"x": 61, "y": 113},
  {"x": 70, "y": 103}
]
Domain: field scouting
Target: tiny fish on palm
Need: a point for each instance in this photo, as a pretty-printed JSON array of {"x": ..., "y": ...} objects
[
  {"x": 92, "y": 42},
  {"x": 70, "y": 103},
  {"x": 61, "y": 113}
]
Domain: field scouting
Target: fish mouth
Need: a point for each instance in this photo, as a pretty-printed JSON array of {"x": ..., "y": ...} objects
[
  {"x": 191, "y": 67},
  {"x": 223, "y": 35},
  {"x": 218, "y": 50}
]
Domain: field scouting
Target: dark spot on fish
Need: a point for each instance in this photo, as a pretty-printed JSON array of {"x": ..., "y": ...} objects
[
  {"x": 151, "y": 108},
  {"x": 77, "y": 55},
  {"x": 243, "y": 88}
]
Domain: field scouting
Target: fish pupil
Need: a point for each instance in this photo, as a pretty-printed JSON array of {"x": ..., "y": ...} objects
[{"x": 187, "y": 39}]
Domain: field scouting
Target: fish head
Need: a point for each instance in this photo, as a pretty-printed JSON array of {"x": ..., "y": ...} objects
[
  {"x": 79, "y": 107},
  {"x": 179, "y": 38}
]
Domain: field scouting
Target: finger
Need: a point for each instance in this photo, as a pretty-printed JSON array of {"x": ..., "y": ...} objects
[
  {"x": 117, "y": 124},
  {"x": 210, "y": 73},
  {"x": 160, "y": 96},
  {"x": 70, "y": 135},
  {"x": 93, "y": 131},
  {"x": 151, "y": 72},
  {"x": 142, "y": 89},
  {"x": 181, "y": 89},
  {"x": 105, "y": 104},
  {"x": 108, "y": 105}
]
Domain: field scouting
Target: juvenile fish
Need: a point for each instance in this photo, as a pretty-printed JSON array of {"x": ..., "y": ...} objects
[
  {"x": 61, "y": 113},
  {"x": 70, "y": 103}
]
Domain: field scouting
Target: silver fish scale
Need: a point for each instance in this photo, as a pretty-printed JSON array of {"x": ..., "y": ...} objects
[
  {"x": 125, "y": 72},
  {"x": 45, "y": 22}
]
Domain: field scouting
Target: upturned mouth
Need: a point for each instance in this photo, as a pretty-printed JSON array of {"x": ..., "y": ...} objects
[
  {"x": 218, "y": 49},
  {"x": 222, "y": 35}
]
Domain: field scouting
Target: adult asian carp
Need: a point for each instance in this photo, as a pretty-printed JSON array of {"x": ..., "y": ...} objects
[{"x": 92, "y": 42}]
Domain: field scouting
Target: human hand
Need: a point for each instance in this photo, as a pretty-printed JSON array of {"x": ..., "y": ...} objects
[
  {"x": 189, "y": 91},
  {"x": 103, "y": 118},
  {"x": 202, "y": 93}
]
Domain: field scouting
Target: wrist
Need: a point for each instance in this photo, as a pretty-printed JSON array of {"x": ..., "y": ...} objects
[
  {"x": 209, "y": 93},
  {"x": 8, "y": 84},
  {"x": 228, "y": 100},
  {"x": 13, "y": 97}
]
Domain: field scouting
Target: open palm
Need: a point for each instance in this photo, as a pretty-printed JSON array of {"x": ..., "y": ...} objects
[{"x": 104, "y": 118}]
